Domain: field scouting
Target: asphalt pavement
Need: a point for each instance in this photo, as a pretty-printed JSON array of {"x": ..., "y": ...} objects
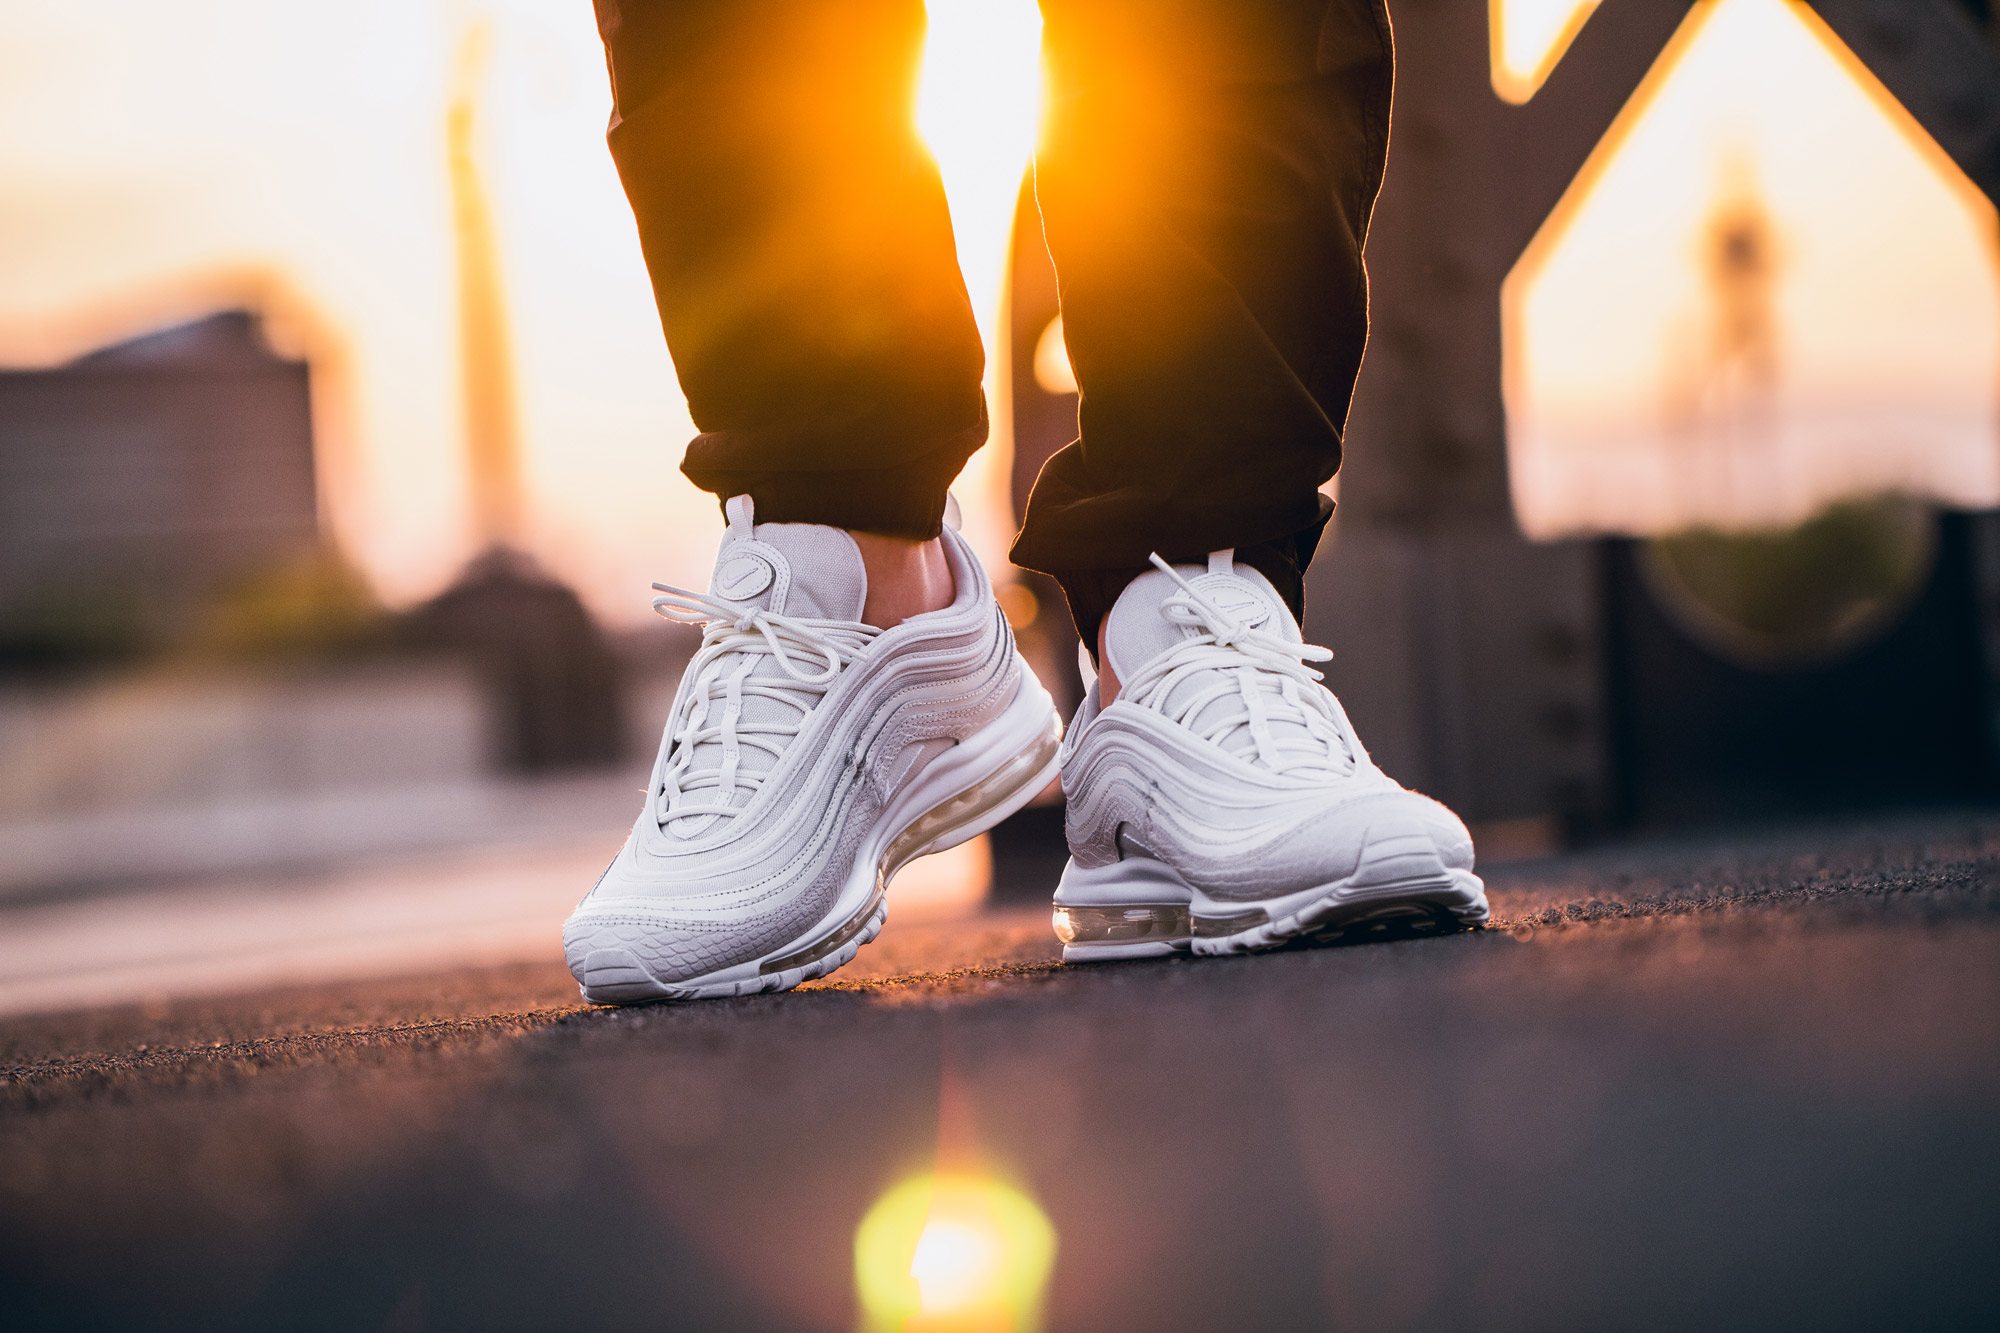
[{"x": 1743, "y": 1079}]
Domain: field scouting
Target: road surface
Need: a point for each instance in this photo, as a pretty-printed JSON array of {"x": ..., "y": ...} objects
[{"x": 1736, "y": 1080}]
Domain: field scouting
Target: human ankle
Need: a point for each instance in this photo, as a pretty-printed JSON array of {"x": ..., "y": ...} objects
[
  {"x": 905, "y": 578},
  {"x": 1107, "y": 679}
]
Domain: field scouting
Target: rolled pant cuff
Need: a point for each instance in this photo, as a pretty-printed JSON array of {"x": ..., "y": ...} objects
[
  {"x": 1091, "y": 593},
  {"x": 906, "y": 499}
]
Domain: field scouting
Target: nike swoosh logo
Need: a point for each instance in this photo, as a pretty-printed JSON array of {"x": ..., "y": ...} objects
[{"x": 745, "y": 577}]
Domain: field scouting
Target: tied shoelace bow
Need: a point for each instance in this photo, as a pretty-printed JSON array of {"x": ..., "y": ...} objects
[
  {"x": 1252, "y": 677},
  {"x": 736, "y": 639}
]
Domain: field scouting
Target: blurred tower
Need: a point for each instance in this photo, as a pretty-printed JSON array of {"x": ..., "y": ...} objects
[
  {"x": 551, "y": 680},
  {"x": 492, "y": 433}
]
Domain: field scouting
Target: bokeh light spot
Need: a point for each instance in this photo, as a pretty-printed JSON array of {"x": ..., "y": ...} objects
[{"x": 953, "y": 1251}]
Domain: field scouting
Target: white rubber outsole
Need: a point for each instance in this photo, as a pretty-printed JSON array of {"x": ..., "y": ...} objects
[{"x": 1022, "y": 754}]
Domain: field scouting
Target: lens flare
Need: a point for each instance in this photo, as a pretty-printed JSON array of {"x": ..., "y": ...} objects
[
  {"x": 979, "y": 107},
  {"x": 979, "y": 102},
  {"x": 953, "y": 1251},
  {"x": 1052, "y": 368}
]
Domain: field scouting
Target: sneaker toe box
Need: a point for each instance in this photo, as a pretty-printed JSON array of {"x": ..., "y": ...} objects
[
  {"x": 625, "y": 948},
  {"x": 622, "y": 952},
  {"x": 1387, "y": 837}
]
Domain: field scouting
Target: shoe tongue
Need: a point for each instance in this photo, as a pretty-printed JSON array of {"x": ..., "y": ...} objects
[
  {"x": 795, "y": 569},
  {"x": 1138, "y": 629},
  {"x": 804, "y": 570}
]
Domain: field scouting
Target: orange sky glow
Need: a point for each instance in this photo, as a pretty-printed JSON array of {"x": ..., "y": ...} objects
[
  {"x": 165, "y": 160},
  {"x": 1852, "y": 346},
  {"x": 1529, "y": 37}
]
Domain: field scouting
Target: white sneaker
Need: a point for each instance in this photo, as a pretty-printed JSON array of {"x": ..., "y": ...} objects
[
  {"x": 808, "y": 757},
  {"x": 1222, "y": 802}
]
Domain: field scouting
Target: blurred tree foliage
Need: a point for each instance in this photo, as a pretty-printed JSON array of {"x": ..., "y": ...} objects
[
  {"x": 1791, "y": 595},
  {"x": 314, "y": 605},
  {"x": 65, "y": 625},
  {"x": 309, "y": 606}
]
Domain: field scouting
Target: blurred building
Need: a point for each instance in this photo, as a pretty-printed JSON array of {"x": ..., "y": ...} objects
[
  {"x": 553, "y": 683},
  {"x": 139, "y": 481}
]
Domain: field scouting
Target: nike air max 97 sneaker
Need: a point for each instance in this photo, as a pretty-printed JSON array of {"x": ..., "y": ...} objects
[
  {"x": 807, "y": 758},
  {"x": 1222, "y": 803}
]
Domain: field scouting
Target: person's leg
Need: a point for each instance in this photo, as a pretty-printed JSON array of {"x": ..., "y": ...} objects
[
  {"x": 857, "y": 700},
  {"x": 800, "y": 250},
  {"x": 1206, "y": 180},
  {"x": 1206, "y": 188}
]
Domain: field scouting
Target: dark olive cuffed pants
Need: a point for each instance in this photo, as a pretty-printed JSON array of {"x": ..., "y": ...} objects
[{"x": 1205, "y": 180}]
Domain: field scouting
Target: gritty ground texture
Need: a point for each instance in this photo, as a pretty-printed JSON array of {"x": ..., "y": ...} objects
[{"x": 1736, "y": 1081}]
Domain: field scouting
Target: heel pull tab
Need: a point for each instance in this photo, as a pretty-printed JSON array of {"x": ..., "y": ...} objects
[
  {"x": 1223, "y": 561},
  {"x": 742, "y": 515}
]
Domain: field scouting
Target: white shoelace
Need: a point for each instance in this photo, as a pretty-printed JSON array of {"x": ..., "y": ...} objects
[
  {"x": 1253, "y": 676},
  {"x": 736, "y": 640}
]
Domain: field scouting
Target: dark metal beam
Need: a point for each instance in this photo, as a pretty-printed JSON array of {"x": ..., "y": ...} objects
[{"x": 1547, "y": 141}]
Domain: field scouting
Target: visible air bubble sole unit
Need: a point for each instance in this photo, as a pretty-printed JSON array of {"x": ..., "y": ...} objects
[
  {"x": 1179, "y": 919},
  {"x": 1009, "y": 764}
]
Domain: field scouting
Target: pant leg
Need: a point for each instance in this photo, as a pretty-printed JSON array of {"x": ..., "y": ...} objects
[
  {"x": 800, "y": 251},
  {"x": 1206, "y": 179}
]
